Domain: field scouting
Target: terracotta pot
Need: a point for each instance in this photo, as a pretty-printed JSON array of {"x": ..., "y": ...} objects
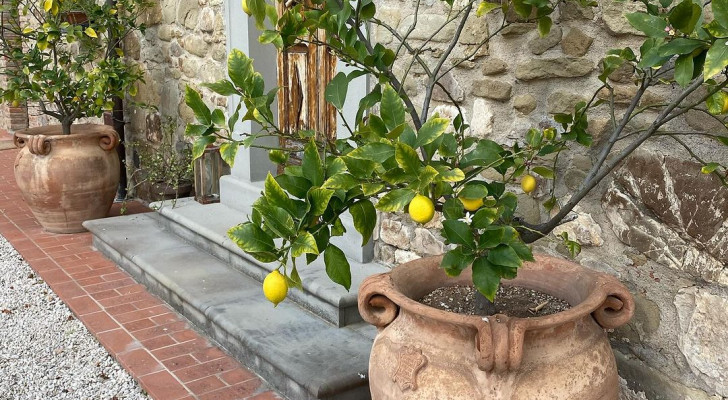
[
  {"x": 67, "y": 179},
  {"x": 426, "y": 354}
]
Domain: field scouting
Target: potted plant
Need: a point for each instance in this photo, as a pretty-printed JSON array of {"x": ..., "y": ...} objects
[
  {"x": 165, "y": 170},
  {"x": 404, "y": 157},
  {"x": 68, "y": 172}
]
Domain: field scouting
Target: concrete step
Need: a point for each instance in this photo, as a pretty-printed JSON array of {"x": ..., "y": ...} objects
[
  {"x": 299, "y": 354},
  {"x": 206, "y": 227}
]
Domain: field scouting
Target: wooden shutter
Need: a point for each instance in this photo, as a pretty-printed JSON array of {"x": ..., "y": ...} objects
[{"x": 303, "y": 73}]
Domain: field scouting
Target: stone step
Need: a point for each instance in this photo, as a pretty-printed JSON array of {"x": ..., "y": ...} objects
[
  {"x": 299, "y": 354},
  {"x": 206, "y": 227}
]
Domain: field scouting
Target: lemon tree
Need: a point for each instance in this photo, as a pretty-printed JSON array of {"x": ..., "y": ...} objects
[
  {"x": 399, "y": 156},
  {"x": 71, "y": 70}
]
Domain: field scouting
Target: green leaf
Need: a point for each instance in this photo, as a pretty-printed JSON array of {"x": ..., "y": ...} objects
[
  {"x": 685, "y": 16},
  {"x": 319, "y": 199},
  {"x": 370, "y": 189},
  {"x": 359, "y": 168},
  {"x": 337, "y": 266},
  {"x": 473, "y": 190},
  {"x": 407, "y": 159},
  {"x": 716, "y": 59},
  {"x": 313, "y": 168},
  {"x": 336, "y": 90},
  {"x": 684, "y": 69},
  {"x": 453, "y": 209},
  {"x": 486, "y": 153},
  {"x": 304, "y": 244},
  {"x": 484, "y": 217},
  {"x": 455, "y": 261},
  {"x": 392, "y": 108},
  {"x": 715, "y": 102},
  {"x": 341, "y": 181},
  {"x": 485, "y": 278},
  {"x": 269, "y": 36},
  {"x": 196, "y": 130},
  {"x": 650, "y": 25},
  {"x": 377, "y": 152},
  {"x": 431, "y": 130},
  {"x": 199, "y": 145},
  {"x": 395, "y": 200},
  {"x": 523, "y": 251},
  {"x": 365, "y": 218},
  {"x": 486, "y": 7},
  {"x": 544, "y": 26},
  {"x": 294, "y": 185},
  {"x": 276, "y": 196},
  {"x": 228, "y": 150},
  {"x": 240, "y": 68},
  {"x": 720, "y": 11},
  {"x": 194, "y": 101},
  {"x": 250, "y": 238},
  {"x": 504, "y": 255},
  {"x": 368, "y": 12},
  {"x": 218, "y": 117},
  {"x": 278, "y": 220},
  {"x": 90, "y": 32},
  {"x": 680, "y": 46},
  {"x": 222, "y": 87},
  {"x": 451, "y": 175},
  {"x": 278, "y": 156},
  {"x": 458, "y": 232},
  {"x": 544, "y": 171},
  {"x": 709, "y": 168}
]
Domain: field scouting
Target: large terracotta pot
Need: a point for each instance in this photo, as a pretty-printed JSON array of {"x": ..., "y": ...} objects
[
  {"x": 427, "y": 354},
  {"x": 67, "y": 179}
]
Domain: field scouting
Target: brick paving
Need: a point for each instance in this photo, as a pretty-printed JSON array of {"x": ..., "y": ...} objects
[{"x": 148, "y": 338}]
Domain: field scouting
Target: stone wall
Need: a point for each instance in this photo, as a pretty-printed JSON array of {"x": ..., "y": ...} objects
[
  {"x": 658, "y": 224},
  {"x": 184, "y": 44}
]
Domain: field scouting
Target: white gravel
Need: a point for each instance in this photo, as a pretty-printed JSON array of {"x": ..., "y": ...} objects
[{"x": 45, "y": 352}]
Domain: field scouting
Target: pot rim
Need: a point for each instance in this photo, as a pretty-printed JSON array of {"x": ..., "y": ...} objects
[
  {"x": 53, "y": 131},
  {"x": 39, "y": 140},
  {"x": 607, "y": 298}
]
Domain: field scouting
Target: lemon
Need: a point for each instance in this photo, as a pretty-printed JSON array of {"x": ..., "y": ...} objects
[
  {"x": 245, "y": 7},
  {"x": 275, "y": 287},
  {"x": 471, "y": 204},
  {"x": 725, "y": 104},
  {"x": 421, "y": 209},
  {"x": 528, "y": 183}
]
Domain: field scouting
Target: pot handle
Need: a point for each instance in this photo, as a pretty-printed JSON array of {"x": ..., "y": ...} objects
[
  {"x": 616, "y": 309},
  {"x": 108, "y": 140},
  {"x": 374, "y": 306},
  {"x": 37, "y": 144}
]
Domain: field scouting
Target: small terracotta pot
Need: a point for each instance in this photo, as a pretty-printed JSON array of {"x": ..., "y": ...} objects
[
  {"x": 67, "y": 179},
  {"x": 428, "y": 354}
]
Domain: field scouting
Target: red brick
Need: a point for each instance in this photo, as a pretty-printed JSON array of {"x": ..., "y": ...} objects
[
  {"x": 114, "y": 276},
  {"x": 162, "y": 385},
  {"x": 131, "y": 289},
  {"x": 159, "y": 330},
  {"x": 117, "y": 341},
  {"x": 236, "y": 392},
  {"x": 89, "y": 281},
  {"x": 82, "y": 305},
  {"x": 141, "y": 314},
  {"x": 165, "y": 318},
  {"x": 182, "y": 361},
  {"x": 205, "y": 385},
  {"x": 68, "y": 290},
  {"x": 209, "y": 354},
  {"x": 99, "y": 322},
  {"x": 100, "y": 287},
  {"x": 140, "y": 362},
  {"x": 158, "y": 342},
  {"x": 180, "y": 349},
  {"x": 236, "y": 376},
  {"x": 209, "y": 368},
  {"x": 185, "y": 335},
  {"x": 120, "y": 309},
  {"x": 104, "y": 295},
  {"x": 44, "y": 265},
  {"x": 55, "y": 276},
  {"x": 138, "y": 325}
]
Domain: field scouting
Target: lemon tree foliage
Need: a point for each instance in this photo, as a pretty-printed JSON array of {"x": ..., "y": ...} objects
[
  {"x": 71, "y": 69},
  {"x": 399, "y": 157}
]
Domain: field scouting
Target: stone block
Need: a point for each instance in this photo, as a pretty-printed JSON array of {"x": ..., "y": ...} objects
[
  {"x": 427, "y": 24},
  {"x": 494, "y": 66},
  {"x": 525, "y": 103},
  {"x": 483, "y": 119},
  {"x": 563, "y": 102},
  {"x": 196, "y": 45},
  {"x": 492, "y": 89},
  {"x": 561, "y": 67},
  {"x": 396, "y": 234},
  {"x": 452, "y": 87},
  {"x": 426, "y": 243},
  {"x": 539, "y": 45},
  {"x": 475, "y": 30},
  {"x": 570, "y": 11},
  {"x": 702, "y": 338},
  {"x": 518, "y": 29},
  {"x": 207, "y": 20},
  {"x": 583, "y": 230},
  {"x": 576, "y": 43},
  {"x": 613, "y": 12}
]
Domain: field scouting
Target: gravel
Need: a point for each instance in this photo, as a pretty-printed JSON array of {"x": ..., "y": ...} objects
[{"x": 45, "y": 353}]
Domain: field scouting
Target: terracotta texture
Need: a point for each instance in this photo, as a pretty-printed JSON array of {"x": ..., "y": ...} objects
[
  {"x": 67, "y": 179},
  {"x": 424, "y": 353}
]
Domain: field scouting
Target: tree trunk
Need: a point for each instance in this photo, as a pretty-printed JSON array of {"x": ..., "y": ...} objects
[{"x": 66, "y": 125}]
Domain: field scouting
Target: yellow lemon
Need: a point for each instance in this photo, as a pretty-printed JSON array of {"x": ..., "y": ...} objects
[
  {"x": 245, "y": 7},
  {"x": 471, "y": 204},
  {"x": 421, "y": 209},
  {"x": 275, "y": 287},
  {"x": 725, "y": 104},
  {"x": 528, "y": 183}
]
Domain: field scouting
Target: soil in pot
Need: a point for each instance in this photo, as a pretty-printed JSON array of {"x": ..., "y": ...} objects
[{"x": 514, "y": 301}]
